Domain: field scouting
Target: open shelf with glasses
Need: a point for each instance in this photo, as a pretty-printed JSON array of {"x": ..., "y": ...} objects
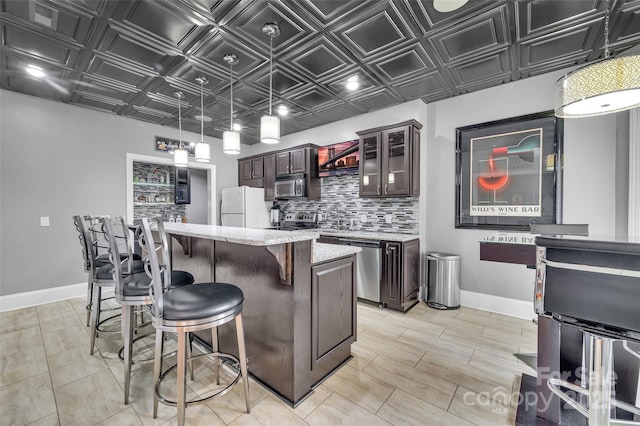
[{"x": 154, "y": 191}]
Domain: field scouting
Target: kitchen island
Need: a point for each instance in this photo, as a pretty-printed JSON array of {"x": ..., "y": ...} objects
[{"x": 299, "y": 310}]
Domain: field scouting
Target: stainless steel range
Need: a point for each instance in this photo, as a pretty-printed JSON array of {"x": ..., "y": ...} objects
[{"x": 298, "y": 221}]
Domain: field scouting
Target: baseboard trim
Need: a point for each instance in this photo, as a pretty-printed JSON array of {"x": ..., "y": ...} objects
[
  {"x": 500, "y": 305},
  {"x": 39, "y": 297}
]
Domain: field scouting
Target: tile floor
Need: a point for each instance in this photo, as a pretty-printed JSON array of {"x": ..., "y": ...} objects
[{"x": 426, "y": 367}]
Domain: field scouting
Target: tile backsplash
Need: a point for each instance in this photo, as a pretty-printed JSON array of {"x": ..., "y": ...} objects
[{"x": 341, "y": 206}]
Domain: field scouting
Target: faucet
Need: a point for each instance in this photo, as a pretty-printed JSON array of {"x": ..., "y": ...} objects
[{"x": 337, "y": 213}]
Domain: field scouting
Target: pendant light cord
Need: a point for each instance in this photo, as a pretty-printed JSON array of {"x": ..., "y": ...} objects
[
  {"x": 270, "y": 71},
  {"x": 606, "y": 32},
  {"x": 179, "y": 124},
  {"x": 231, "y": 112},
  {"x": 202, "y": 111}
]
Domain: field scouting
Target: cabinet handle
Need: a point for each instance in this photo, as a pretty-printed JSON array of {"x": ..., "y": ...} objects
[
  {"x": 385, "y": 189},
  {"x": 378, "y": 189}
]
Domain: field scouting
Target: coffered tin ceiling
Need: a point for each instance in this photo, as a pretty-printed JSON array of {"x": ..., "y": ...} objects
[{"x": 129, "y": 57}]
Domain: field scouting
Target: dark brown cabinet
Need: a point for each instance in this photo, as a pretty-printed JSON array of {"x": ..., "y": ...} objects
[
  {"x": 269, "y": 177},
  {"x": 390, "y": 160},
  {"x": 291, "y": 162},
  {"x": 333, "y": 312},
  {"x": 400, "y": 280},
  {"x": 251, "y": 172}
]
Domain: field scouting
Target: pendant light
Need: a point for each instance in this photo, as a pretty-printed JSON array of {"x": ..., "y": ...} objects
[
  {"x": 203, "y": 151},
  {"x": 231, "y": 138},
  {"x": 606, "y": 86},
  {"x": 270, "y": 124},
  {"x": 180, "y": 155}
]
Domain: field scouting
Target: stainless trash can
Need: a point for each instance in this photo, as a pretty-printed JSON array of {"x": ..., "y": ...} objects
[{"x": 443, "y": 280}]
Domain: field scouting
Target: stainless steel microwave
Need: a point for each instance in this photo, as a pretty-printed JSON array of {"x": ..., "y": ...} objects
[{"x": 293, "y": 186}]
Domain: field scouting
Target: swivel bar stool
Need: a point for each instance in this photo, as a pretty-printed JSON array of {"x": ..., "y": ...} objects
[
  {"x": 131, "y": 291},
  {"x": 187, "y": 309}
]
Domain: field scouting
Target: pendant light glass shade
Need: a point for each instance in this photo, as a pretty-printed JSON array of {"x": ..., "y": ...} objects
[
  {"x": 270, "y": 129},
  {"x": 231, "y": 142},
  {"x": 610, "y": 85},
  {"x": 203, "y": 151},
  {"x": 607, "y": 86},
  {"x": 180, "y": 155},
  {"x": 270, "y": 124}
]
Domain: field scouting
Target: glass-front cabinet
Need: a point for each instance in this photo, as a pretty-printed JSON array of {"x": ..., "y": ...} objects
[{"x": 390, "y": 160}]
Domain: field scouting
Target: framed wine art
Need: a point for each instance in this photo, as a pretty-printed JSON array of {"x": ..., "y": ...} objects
[{"x": 509, "y": 173}]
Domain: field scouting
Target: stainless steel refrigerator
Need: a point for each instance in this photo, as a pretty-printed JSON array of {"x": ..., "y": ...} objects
[{"x": 244, "y": 206}]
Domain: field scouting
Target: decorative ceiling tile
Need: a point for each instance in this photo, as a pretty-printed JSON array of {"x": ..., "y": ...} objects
[
  {"x": 373, "y": 101},
  {"x": 423, "y": 86},
  {"x": 375, "y": 34},
  {"x": 545, "y": 16},
  {"x": 405, "y": 63},
  {"x": 491, "y": 67}
]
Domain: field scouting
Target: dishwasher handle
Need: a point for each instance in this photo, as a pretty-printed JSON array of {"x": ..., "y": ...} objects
[{"x": 359, "y": 243}]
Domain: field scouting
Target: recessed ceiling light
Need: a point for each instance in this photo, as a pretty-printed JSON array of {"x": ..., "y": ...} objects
[
  {"x": 35, "y": 71},
  {"x": 445, "y": 6},
  {"x": 353, "y": 83},
  {"x": 283, "y": 110},
  {"x": 204, "y": 118}
]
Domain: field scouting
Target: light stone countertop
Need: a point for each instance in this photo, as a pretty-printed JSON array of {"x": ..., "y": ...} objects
[
  {"x": 325, "y": 252},
  {"x": 369, "y": 235},
  {"x": 247, "y": 236}
]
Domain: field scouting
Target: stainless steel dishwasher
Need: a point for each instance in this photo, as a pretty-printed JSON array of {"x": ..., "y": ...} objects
[{"x": 368, "y": 286}]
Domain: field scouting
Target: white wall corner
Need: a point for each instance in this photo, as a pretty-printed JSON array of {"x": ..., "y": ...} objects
[
  {"x": 40, "y": 297},
  {"x": 500, "y": 305}
]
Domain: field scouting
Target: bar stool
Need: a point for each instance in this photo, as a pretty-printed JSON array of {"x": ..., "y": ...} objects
[
  {"x": 187, "y": 309},
  {"x": 132, "y": 291},
  {"x": 100, "y": 274}
]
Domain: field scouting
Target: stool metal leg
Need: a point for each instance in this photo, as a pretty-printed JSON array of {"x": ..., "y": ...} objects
[
  {"x": 181, "y": 396},
  {"x": 215, "y": 349},
  {"x": 95, "y": 309},
  {"x": 600, "y": 380},
  {"x": 127, "y": 320},
  {"x": 242, "y": 354},
  {"x": 89, "y": 299},
  {"x": 157, "y": 369}
]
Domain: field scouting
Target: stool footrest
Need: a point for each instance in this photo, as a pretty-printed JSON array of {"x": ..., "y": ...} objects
[{"x": 235, "y": 364}]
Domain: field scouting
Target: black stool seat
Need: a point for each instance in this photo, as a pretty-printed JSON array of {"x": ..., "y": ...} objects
[
  {"x": 137, "y": 285},
  {"x": 105, "y": 272},
  {"x": 202, "y": 300},
  {"x": 103, "y": 259}
]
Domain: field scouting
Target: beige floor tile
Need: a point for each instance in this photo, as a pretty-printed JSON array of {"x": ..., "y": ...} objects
[
  {"x": 269, "y": 412},
  {"x": 478, "y": 380},
  {"x": 503, "y": 335},
  {"x": 62, "y": 340},
  {"x": 338, "y": 410},
  {"x": 404, "y": 409},
  {"x": 436, "y": 345},
  {"x": 417, "y": 324},
  {"x": 361, "y": 356},
  {"x": 27, "y": 401},
  {"x": 20, "y": 340},
  {"x": 69, "y": 366},
  {"x": 454, "y": 323},
  {"x": 232, "y": 405},
  {"x": 128, "y": 417},
  {"x": 319, "y": 395},
  {"x": 59, "y": 321},
  {"x": 398, "y": 351},
  {"x": 421, "y": 384},
  {"x": 23, "y": 364},
  {"x": 481, "y": 409},
  {"x": 197, "y": 415},
  {"x": 89, "y": 400},
  {"x": 50, "y": 420},
  {"x": 478, "y": 341},
  {"x": 54, "y": 308},
  {"x": 363, "y": 389},
  {"x": 383, "y": 328},
  {"x": 19, "y": 319}
]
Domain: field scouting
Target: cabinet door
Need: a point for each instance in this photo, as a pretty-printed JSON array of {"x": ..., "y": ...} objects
[
  {"x": 370, "y": 165},
  {"x": 392, "y": 276},
  {"x": 257, "y": 165},
  {"x": 396, "y": 166},
  {"x": 298, "y": 161},
  {"x": 269, "y": 177},
  {"x": 410, "y": 273},
  {"x": 282, "y": 163},
  {"x": 245, "y": 171}
]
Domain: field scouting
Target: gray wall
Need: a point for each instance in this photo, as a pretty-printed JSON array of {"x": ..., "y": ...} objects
[
  {"x": 59, "y": 160},
  {"x": 197, "y": 210}
]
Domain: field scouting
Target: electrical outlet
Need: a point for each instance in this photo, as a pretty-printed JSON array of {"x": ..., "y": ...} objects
[
  {"x": 363, "y": 218},
  {"x": 44, "y": 220},
  {"x": 388, "y": 218}
]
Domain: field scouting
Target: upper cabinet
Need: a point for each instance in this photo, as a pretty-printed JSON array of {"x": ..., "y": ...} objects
[
  {"x": 390, "y": 160},
  {"x": 291, "y": 162},
  {"x": 251, "y": 172}
]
